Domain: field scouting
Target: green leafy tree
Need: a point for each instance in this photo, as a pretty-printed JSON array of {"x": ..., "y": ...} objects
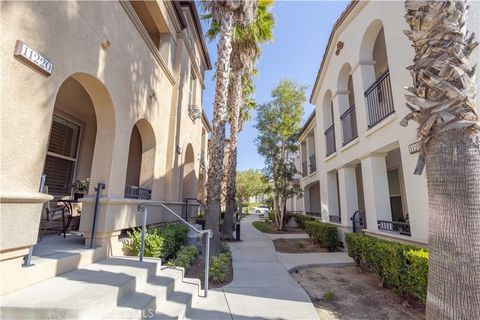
[
  {"x": 250, "y": 183},
  {"x": 278, "y": 124}
]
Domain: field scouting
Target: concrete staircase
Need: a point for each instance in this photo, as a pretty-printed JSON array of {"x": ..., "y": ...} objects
[{"x": 113, "y": 288}]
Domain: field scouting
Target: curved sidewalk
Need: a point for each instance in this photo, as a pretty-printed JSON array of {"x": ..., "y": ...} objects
[
  {"x": 261, "y": 288},
  {"x": 292, "y": 261}
]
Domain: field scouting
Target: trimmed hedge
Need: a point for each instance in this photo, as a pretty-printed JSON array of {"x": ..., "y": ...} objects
[
  {"x": 403, "y": 268},
  {"x": 300, "y": 219},
  {"x": 323, "y": 233}
]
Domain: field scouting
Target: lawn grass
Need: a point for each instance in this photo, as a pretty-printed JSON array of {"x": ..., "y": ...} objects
[{"x": 261, "y": 226}]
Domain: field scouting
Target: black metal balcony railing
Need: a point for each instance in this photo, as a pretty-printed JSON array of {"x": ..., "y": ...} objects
[
  {"x": 313, "y": 214},
  {"x": 379, "y": 99},
  {"x": 133, "y": 192},
  {"x": 330, "y": 140},
  {"x": 395, "y": 226},
  {"x": 313, "y": 163},
  {"x": 336, "y": 219},
  {"x": 349, "y": 125},
  {"x": 304, "y": 168}
]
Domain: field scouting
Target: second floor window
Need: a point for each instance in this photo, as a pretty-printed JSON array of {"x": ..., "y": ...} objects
[{"x": 191, "y": 89}]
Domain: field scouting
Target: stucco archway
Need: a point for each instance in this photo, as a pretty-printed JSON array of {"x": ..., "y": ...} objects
[
  {"x": 141, "y": 161},
  {"x": 81, "y": 135},
  {"x": 190, "y": 183}
]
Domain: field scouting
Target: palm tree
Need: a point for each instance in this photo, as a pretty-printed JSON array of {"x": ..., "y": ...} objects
[
  {"x": 222, "y": 14},
  {"x": 246, "y": 50},
  {"x": 442, "y": 101}
]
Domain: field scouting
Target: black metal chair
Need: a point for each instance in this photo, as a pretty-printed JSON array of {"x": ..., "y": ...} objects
[{"x": 53, "y": 214}]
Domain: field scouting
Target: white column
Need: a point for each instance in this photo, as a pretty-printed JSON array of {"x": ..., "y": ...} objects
[
  {"x": 347, "y": 185},
  {"x": 375, "y": 188},
  {"x": 332, "y": 193}
]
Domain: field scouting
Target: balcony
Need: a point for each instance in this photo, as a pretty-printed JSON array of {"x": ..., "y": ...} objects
[
  {"x": 349, "y": 125},
  {"x": 304, "y": 168},
  {"x": 335, "y": 219},
  {"x": 330, "y": 140},
  {"x": 402, "y": 228},
  {"x": 379, "y": 100},
  {"x": 313, "y": 163},
  {"x": 133, "y": 192},
  {"x": 313, "y": 214}
]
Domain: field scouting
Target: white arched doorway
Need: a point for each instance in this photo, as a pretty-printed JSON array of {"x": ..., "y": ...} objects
[{"x": 141, "y": 161}]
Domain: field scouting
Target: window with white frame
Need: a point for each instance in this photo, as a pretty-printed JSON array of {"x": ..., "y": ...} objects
[
  {"x": 62, "y": 156},
  {"x": 191, "y": 89}
]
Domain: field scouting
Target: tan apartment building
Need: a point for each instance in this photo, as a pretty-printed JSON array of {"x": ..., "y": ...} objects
[
  {"x": 356, "y": 160},
  {"x": 110, "y": 91}
]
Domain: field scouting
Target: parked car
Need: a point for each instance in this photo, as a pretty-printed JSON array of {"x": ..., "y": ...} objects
[{"x": 262, "y": 210}]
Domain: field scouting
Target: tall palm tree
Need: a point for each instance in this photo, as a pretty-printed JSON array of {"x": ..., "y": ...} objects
[
  {"x": 246, "y": 50},
  {"x": 222, "y": 14},
  {"x": 442, "y": 101}
]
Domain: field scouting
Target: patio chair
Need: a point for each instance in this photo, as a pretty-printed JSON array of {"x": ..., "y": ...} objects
[{"x": 53, "y": 214}]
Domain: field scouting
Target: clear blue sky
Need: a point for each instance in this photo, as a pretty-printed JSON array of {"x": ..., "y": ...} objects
[{"x": 301, "y": 33}]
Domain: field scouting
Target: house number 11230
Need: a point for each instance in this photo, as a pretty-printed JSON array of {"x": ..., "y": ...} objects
[{"x": 32, "y": 57}]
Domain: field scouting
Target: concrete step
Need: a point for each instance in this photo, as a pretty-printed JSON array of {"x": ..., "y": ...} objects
[
  {"x": 142, "y": 303},
  {"x": 179, "y": 303},
  {"x": 85, "y": 293}
]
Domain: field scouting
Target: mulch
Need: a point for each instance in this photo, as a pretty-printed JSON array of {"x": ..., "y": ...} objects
[
  {"x": 197, "y": 270},
  {"x": 297, "y": 246}
]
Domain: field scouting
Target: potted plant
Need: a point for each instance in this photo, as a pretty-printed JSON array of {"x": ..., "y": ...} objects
[{"x": 80, "y": 188}]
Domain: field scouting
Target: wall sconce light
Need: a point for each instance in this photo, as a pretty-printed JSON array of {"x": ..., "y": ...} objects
[
  {"x": 339, "y": 47},
  {"x": 194, "y": 112},
  {"x": 105, "y": 44}
]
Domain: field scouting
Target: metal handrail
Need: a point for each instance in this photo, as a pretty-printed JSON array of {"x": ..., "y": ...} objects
[{"x": 207, "y": 233}]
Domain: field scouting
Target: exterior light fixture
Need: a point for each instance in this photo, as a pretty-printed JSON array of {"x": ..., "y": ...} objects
[{"x": 194, "y": 112}]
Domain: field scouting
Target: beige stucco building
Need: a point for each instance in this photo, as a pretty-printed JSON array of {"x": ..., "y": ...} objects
[
  {"x": 117, "y": 98},
  {"x": 357, "y": 161}
]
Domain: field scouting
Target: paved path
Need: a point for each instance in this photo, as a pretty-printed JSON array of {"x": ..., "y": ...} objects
[{"x": 261, "y": 288}]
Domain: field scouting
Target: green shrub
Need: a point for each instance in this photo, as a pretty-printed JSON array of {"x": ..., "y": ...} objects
[
  {"x": 184, "y": 257},
  {"x": 401, "y": 267},
  {"x": 300, "y": 219},
  {"x": 329, "y": 296},
  {"x": 417, "y": 273},
  {"x": 153, "y": 243},
  {"x": 174, "y": 237},
  {"x": 220, "y": 267},
  {"x": 323, "y": 233},
  {"x": 271, "y": 215},
  {"x": 260, "y": 226}
]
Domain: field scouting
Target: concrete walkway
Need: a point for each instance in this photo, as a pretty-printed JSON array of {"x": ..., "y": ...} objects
[{"x": 261, "y": 288}]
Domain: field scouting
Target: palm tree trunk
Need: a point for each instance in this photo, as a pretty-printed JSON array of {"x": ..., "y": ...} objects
[
  {"x": 235, "y": 104},
  {"x": 217, "y": 142},
  {"x": 442, "y": 102},
  {"x": 453, "y": 173}
]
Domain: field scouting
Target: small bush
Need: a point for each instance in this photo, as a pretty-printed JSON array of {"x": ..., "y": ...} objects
[
  {"x": 260, "y": 226},
  {"x": 271, "y": 216},
  {"x": 300, "y": 219},
  {"x": 184, "y": 257},
  {"x": 401, "y": 267},
  {"x": 329, "y": 296},
  {"x": 153, "y": 243},
  {"x": 323, "y": 233},
  {"x": 220, "y": 267},
  {"x": 416, "y": 275},
  {"x": 174, "y": 237}
]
